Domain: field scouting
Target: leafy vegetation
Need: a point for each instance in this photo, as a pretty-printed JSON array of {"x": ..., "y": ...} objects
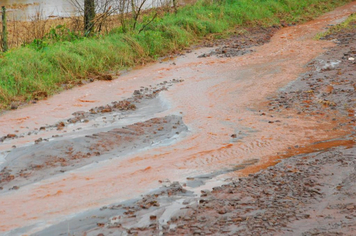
[{"x": 63, "y": 57}]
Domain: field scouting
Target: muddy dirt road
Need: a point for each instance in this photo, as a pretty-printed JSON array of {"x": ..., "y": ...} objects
[{"x": 190, "y": 119}]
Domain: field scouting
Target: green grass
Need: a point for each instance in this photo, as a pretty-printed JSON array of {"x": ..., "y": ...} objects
[
  {"x": 350, "y": 22},
  {"x": 28, "y": 70}
]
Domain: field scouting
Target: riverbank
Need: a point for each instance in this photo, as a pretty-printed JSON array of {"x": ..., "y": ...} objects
[{"x": 37, "y": 71}]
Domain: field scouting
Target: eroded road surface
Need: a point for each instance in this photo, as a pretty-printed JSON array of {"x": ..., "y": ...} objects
[{"x": 71, "y": 164}]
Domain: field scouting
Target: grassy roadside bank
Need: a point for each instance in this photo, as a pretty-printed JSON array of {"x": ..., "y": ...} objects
[{"x": 29, "y": 72}]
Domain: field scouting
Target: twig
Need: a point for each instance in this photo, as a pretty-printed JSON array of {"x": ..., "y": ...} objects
[{"x": 143, "y": 27}]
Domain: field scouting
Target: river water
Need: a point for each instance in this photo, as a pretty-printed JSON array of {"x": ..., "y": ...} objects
[{"x": 47, "y": 8}]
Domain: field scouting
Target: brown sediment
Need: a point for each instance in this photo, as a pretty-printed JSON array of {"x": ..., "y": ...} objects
[
  {"x": 271, "y": 161},
  {"x": 222, "y": 101},
  {"x": 47, "y": 159},
  {"x": 312, "y": 195}
]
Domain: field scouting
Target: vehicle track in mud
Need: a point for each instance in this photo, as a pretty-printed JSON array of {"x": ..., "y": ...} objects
[{"x": 232, "y": 130}]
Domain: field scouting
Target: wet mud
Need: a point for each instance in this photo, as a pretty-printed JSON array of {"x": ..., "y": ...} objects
[
  {"x": 240, "y": 44},
  {"x": 328, "y": 87},
  {"x": 126, "y": 213},
  {"x": 57, "y": 154},
  {"x": 310, "y": 194},
  {"x": 311, "y": 191},
  {"x": 142, "y": 98},
  {"x": 31, "y": 164},
  {"x": 223, "y": 117}
]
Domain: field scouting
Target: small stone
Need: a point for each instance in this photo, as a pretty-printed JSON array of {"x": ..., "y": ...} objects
[
  {"x": 222, "y": 211},
  {"x": 11, "y": 136},
  {"x": 197, "y": 232},
  {"x": 60, "y": 125},
  {"x": 38, "y": 140}
]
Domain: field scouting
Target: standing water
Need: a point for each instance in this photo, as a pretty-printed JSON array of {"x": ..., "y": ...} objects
[{"x": 25, "y": 9}]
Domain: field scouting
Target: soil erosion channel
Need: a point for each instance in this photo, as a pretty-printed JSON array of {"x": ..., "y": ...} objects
[{"x": 187, "y": 117}]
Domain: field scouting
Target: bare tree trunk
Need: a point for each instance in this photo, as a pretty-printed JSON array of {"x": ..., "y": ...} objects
[
  {"x": 136, "y": 11},
  {"x": 133, "y": 9},
  {"x": 4, "y": 30},
  {"x": 175, "y": 6},
  {"x": 89, "y": 15}
]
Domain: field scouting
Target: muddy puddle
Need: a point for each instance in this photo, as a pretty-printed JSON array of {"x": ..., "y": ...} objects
[{"x": 106, "y": 142}]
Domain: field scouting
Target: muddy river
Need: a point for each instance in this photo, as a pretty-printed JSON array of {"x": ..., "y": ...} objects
[{"x": 207, "y": 115}]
